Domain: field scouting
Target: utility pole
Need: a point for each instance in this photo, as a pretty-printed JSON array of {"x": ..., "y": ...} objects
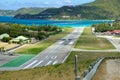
[{"x": 76, "y": 68}]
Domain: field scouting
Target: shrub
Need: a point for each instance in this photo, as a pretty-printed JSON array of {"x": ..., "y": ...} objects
[{"x": 6, "y": 39}]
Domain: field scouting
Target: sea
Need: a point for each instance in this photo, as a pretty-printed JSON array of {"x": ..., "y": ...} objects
[{"x": 59, "y": 23}]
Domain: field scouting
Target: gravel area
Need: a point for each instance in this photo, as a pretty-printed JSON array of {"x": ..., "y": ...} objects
[{"x": 109, "y": 70}]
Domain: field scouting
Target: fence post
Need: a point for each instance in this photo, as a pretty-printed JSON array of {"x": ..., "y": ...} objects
[{"x": 76, "y": 68}]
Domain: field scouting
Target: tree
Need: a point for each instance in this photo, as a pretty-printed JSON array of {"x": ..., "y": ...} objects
[{"x": 6, "y": 39}]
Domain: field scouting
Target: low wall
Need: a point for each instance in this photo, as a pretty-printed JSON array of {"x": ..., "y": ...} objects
[{"x": 88, "y": 74}]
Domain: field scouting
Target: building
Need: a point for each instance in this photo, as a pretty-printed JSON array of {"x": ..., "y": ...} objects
[
  {"x": 116, "y": 32},
  {"x": 4, "y": 35},
  {"x": 65, "y": 17},
  {"x": 20, "y": 39}
]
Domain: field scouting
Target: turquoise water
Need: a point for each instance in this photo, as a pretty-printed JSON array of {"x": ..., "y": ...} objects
[{"x": 60, "y": 23}]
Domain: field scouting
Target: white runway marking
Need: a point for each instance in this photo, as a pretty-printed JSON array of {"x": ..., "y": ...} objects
[
  {"x": 38, "y": 64},
  {"x": 71, "y": 42},
  {"x": 49, "y": 63},
  {"x": 55, "y": 62},
  {"x": 30, "y": 64},
  {"x": 61, "y": 42}
]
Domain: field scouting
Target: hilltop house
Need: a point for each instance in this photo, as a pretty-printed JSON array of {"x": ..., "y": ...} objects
[{"x": 4, "y": 35}]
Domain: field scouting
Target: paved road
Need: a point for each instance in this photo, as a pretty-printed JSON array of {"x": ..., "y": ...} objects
[
  {"x": 55, "y": 54},
  {"x": 115, "y": 42}
]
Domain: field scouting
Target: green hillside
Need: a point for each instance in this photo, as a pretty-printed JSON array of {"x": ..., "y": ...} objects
[
  {"x": 7, "y": 12},
  {"x": 29, "y": 10},
  {"x": 33, "y": 10},
  {"x": 99, "y": 9},
  {"x": 111, "y": 6}
]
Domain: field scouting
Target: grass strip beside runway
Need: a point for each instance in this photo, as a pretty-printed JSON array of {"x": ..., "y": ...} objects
[
  {"x": 19, "y": 61},
  {"x": 89, "y": 41}
]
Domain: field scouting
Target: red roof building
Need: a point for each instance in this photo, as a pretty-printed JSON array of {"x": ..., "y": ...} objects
[{"x": 116, "y": 32}]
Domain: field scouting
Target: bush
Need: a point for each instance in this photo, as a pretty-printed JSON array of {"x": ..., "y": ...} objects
[{"x": 6, "y": 39}]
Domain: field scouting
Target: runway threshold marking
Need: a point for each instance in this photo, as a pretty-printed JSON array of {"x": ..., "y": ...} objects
[
  {"x": 55, "y": 62},
  {"x": 49, "y": 63},
  {"x": 38, "y": 64},
  {"x": 61, "y": 42},
  {"x": 71, "y": 42},
  {"x": 31, "y": 64}
]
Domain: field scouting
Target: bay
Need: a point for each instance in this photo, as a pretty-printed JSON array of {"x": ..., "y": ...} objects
[{"x": 60, "y": 23}]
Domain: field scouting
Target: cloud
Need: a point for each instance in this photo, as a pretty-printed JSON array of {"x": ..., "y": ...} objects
[{"x": 68, "y": 1}]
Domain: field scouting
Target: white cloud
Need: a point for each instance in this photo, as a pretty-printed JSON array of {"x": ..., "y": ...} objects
[{"x": 68, "y": 1}]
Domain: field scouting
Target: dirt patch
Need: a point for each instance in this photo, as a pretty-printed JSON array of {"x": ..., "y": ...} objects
[
  {"x": 7, "y": 45},
  {"x": 109, "y": 70}
]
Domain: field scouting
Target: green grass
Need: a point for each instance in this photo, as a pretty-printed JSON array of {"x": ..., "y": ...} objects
[
  {"x": 18, "y": 61},
  {"x": 90, "y": 42},
  {"x": 35, "y": 49},
  {"x": 57, "y": 72}
]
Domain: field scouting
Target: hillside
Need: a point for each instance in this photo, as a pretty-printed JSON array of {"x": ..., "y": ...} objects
[
  {"x": 7, "y": 12},
  {"x": 32, "y": 10},
  {"x": 29, "y": 10},
  {"x": 99, "y": 9},
  {"x": 108, "y": 5}
]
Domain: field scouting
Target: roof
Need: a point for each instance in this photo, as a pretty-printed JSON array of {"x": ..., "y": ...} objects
[
  {"x": 4, "y": 35},
  {"x": 116, "y": 31},
  {"x": 17, "y": 39},
  {"x": 21, "y": 38}
]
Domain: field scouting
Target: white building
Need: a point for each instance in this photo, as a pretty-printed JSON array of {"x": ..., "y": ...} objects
[{"x": 4, "y": 35}]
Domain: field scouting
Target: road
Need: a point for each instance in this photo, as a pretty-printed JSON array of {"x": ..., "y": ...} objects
[
  {"x": 55, "y": 54},
  {"x": 115, "y": 42}
]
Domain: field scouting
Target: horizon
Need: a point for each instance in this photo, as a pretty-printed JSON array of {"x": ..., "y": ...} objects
[{"x": 8, "y": 5}]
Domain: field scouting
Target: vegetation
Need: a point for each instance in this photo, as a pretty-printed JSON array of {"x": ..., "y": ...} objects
[
  {"x": 6, "y": 39},
  {"x": 112, "y": 6},
  {"x": 38, "y": 32},
  {"x": 57, "y": 72},
  {"x": 89, "y": 41},
  {"x": 1, "y": 49},
  {"x": 106, "y": 27},
  {"x": 99, "y": 9},
  {"x": 36, "y": 48},
  {"x": 32, "y": 10}
]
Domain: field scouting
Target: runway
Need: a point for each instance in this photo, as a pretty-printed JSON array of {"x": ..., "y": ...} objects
[{"x": 55, "y": 54}]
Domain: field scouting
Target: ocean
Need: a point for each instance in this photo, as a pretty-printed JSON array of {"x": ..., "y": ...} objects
[{"x": 60, "y": 23}]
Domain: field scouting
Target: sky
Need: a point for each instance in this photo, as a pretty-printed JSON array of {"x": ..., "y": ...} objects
[{"x": 16, "y": 4}]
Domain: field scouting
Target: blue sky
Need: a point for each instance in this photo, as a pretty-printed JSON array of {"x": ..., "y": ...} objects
[{"x": 16, "y": 4}]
